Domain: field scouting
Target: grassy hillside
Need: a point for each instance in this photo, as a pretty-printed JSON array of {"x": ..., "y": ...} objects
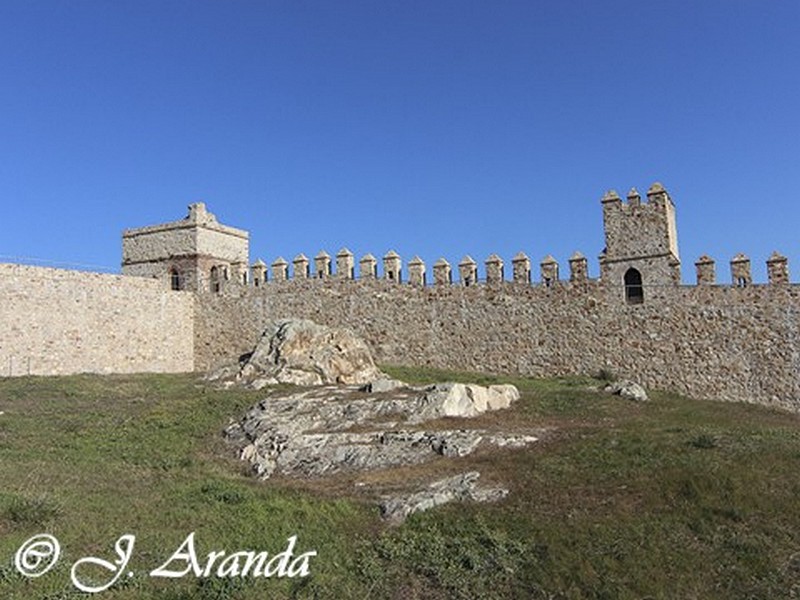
[{"x": 669, "y": 499}]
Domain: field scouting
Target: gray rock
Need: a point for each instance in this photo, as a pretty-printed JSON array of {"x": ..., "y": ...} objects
[
  {"x": 502, "y": 396},
  {"x": 456, "y": 443},
  {"x": 458, "y": 488},
  {"x": 383, "y": 385},
  {"x": 447, "y": 400},
  {"x": 310, "y": 433},
  {"x": 304, "y": 353},
  {"x": 628, "y": 390},
  {"x": 510, "y": 441}
]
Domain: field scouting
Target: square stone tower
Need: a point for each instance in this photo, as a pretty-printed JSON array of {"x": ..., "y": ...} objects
[
  {"x": 196, "y": 253},
  {"x": 641, "y": 255}
]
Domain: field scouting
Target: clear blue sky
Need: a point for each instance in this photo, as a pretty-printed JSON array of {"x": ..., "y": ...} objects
[{"x": 438, "y": 128}]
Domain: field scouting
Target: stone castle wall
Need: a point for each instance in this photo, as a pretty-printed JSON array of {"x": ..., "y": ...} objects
[
  {"x": 57, "y": 322},
  {"x": 739, "y": 344}
]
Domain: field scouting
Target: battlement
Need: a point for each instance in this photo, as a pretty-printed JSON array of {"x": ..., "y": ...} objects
[
  {"x": 641, "y": 240},
  {"x": 737, "y": 341},
  {"x": 468, "y": 272},
  {"x": 640, "y": 259},
  {"x": 641, "y": 253},
  {"x": 491, "y": 272}
]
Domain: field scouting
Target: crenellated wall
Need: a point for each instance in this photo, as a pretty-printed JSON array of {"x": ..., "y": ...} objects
[
  {"x": 733, "y": 342},
  {"x": 738, "y": 342},
  {"x": 725, "y": 342}
]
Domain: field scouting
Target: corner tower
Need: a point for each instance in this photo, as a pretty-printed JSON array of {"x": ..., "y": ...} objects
[
  {"x": 641, "y": 254},
  {"x": 196, "y": 253}
]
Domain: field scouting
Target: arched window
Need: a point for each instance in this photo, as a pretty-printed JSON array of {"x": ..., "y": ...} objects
[
  {"x": 214, "y": 280},
  {"x": 175, "y": 280},
  {"x": 634, "y": 293}
]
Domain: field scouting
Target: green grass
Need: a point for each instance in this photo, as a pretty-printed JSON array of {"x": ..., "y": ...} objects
[{"x": 673, "y": 498}]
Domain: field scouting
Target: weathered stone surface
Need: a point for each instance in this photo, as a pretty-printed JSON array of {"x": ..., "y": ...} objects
[
  {"x": 384, "y": 384},
  {"x": 59, "y": 322},
  {"x": 310, "y": 433},
  {"x": 715, "y": 341},
  {"x": 457, "y": 488},
  {"x": 501, "y": 396},
  {"x": 628, "y": 390},
  {"x": 303, "y": 353},
  {"x": 463, "y": 400},
  {"x": 190, "y": 248},
  {"x": 708, "y": 341}
]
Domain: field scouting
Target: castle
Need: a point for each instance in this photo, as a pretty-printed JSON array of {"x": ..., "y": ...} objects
[{"x": 188, "y": 299}]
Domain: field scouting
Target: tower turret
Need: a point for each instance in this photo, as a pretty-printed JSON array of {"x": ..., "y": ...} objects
[
  {"x": 641, "y": 243},
  {"x": 196, "y": 253}
]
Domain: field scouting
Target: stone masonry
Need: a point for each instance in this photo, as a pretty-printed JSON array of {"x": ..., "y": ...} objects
[
  {"x": 736, "y": 341},
  {"x": 59, "y": 322},
  {"x": 721, "y": 342},
  {"x": 196, "y": 253}
]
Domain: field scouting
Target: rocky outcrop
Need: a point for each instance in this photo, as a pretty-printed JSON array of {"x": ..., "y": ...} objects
[
  {"x": 357, "y": 418},
  {"x": 327, "y": 430},
  {"x": 302, "y": 352},
  {"x": 459, "y": 488},
  {"x": 628, "y": 390}
]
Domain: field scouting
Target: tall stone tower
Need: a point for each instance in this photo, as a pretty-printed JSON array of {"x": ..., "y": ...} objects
[
  {"x": 196, "y": 253},
  {"x": 641, "y": 254}
]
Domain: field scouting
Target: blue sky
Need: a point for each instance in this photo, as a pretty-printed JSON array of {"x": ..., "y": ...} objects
[{"x": 438, "y": 128}]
